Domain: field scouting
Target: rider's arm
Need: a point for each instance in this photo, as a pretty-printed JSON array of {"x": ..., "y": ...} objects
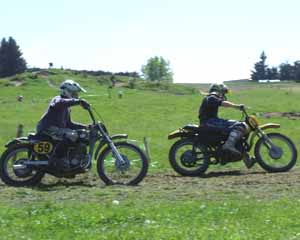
[
  {"x": 228, "y": 104},
  {"x": 68, "y": 102},
  {"x": 74, "y": 125}
]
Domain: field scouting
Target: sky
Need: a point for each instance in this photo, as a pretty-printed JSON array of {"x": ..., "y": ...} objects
[{"x": 205, "y": 41}]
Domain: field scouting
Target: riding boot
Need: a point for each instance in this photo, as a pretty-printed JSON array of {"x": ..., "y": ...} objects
[
  {"x": 233, "y": 138},
  {"x": 249, "y": 161}
]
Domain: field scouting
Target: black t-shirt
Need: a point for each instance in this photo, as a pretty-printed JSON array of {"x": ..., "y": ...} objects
[{"x": 209, "y": 107}]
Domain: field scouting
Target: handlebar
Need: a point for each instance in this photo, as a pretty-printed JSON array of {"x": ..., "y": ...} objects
[
  {"x": 243, "y": 110},
  {"x": 91, "y": 115}
]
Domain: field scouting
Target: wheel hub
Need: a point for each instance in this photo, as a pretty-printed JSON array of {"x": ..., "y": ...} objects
[
  {"x": 188, "y": 158},
  {"x": 122, "y": 166},
  {"x": 275, "y": 152}
]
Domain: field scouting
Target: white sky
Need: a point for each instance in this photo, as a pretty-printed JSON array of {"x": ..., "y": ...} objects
[{"x": 205, "y": 41}]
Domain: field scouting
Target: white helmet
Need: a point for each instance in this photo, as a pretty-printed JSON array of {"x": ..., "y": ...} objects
[{"x": 70, "y": 89}]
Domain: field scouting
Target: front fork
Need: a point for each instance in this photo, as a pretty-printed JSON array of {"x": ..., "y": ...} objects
[
  {"x": 113, "y": 147},
  {"x": 267, "y": 141}
]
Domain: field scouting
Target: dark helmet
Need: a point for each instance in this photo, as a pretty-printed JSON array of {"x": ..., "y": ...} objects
[{"x": 219, "y": 89}]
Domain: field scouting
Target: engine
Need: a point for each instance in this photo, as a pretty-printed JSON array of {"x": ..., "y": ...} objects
[{"x": 76, "y": 156}]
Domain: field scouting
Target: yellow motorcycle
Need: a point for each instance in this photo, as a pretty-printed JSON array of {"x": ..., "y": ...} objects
[{"x": 199, "y": 146}]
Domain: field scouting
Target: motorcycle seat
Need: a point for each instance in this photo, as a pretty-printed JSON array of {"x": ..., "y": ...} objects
[
  {"x": 37, "y": 137},
  {"x": 204, "y": 129},
  {"x": 208, "y": 130}
]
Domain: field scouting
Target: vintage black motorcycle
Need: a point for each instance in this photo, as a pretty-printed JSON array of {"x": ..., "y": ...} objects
[
  {"x": 198, "y": 147},
  {"x": 27, "y": 159}
]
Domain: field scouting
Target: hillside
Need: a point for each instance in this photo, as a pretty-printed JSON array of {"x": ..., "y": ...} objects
[
  {"x": 229, "y": 202},
  {"x": 149, "y": 110}
]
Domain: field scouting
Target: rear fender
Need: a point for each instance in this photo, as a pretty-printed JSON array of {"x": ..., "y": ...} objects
[
  {"x": 113, "y": 138},
  {"x": 262, "y": 127},
  {"x": 17, "y": 141},
  {"x": 180, "y": 133}
]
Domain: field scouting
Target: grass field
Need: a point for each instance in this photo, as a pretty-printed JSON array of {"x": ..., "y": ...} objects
[{"x": 230, "y": 202}]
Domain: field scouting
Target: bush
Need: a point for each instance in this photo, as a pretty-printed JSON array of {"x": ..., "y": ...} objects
[{"x": 132, "y": 83}]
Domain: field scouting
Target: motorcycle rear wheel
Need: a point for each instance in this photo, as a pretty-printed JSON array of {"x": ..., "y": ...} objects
[
  {"x": 18, "y": 178},
  {"x": 185, "y": 161},
  {"x": 281, "y": 158}
]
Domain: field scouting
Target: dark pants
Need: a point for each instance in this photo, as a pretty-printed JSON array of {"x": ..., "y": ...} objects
[{"x": 225, "y": 125}]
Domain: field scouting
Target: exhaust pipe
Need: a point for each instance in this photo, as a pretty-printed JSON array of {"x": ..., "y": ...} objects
[{"x": 29, "y": 163}]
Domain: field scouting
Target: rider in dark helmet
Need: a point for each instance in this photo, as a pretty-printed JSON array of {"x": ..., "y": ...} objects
[
  {"x": 208, "y": 115},
  {"x": 56, "y": 121}
]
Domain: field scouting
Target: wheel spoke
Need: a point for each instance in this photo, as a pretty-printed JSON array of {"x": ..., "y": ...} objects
[
  {"x": 112, "y": 170},
  {"x": 281, "y": 156},
  {"x": 187, "y": 158},
  {"x": 14, "y": 172}
]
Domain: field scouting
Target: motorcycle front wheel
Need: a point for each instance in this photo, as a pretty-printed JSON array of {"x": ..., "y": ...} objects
[
  {"x": 131, "y": 171},
  {"x": 278, "y": 156},
  {"x": 188, "y": 159},
  {"x": 13, "y": 173}
]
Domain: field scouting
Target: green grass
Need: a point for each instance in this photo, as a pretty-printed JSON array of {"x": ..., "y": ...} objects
[
  {"x": 230, "y": 219},
  {"x": 252, "y": 205}
]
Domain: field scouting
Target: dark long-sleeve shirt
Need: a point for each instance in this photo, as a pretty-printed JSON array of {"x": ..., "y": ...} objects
[
  {"x": 58, "y": 114},
  {"x": 209, "y": 107}
]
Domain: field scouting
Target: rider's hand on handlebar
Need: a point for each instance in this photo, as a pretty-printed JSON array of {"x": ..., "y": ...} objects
[
  {"x": 84, "y": 104},
  {"x": 242, "y": 107}
]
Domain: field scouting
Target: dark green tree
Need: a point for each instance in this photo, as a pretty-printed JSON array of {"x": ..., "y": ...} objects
[
  {"x": 157, "y": 69},
  {"x": 286, "y": 72},
  {"x": 272, "y": 73},
  {"x": 297, "y": 71},
  {"x": 11, "y": 60},
  {"x": 260, "y": 69}
]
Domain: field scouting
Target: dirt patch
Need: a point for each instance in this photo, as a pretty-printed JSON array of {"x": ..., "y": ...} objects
[
  {"x": 120, "y": 84},
  {"x": 17, "y": 83},
  {"x": 219, "y": 184},
  {"x": 215, "y": 185},
  {"x": 290, "y": 115},
  {"x": 50, "y": 84}
]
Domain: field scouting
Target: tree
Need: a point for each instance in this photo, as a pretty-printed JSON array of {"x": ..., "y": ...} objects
[
  {"x": 260, "y": 68},
  {"x": 297, "y": 71},
  {"x": 157, "y": 69},
  {"x": 272, "y": 73},
  {"x": 286, "y": 71},
  {"x": 11, "y": 60}
]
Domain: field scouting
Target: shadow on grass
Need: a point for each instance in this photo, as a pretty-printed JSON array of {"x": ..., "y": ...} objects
[
  {"x": 229, "y": 173},
  {"x": 47, "y": 187},
  {"x": 215, "y": 174}
]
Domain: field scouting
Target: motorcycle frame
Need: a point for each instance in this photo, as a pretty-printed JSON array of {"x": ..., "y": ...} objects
[
  {"x": 251, "y": 138},
  {"x": 103, "y": 138}
]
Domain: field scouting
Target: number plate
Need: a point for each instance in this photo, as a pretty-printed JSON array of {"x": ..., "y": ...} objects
[{"x": 43, "y": 147}]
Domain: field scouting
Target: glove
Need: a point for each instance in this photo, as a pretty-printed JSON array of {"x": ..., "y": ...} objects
[
  {"x": 242, "y": 107},
  {"x": 84, "y": 104}
]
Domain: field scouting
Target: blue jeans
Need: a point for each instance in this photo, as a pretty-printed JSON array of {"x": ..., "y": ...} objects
[{"x": 227, "y": 125}]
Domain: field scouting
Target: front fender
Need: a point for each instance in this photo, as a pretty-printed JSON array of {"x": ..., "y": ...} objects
[
  {"x": 16, "y": 141},
  {"x": 269, "y": 125},
  {"x": 103, "y": 142},
  {"x": 263, "y": 127}
]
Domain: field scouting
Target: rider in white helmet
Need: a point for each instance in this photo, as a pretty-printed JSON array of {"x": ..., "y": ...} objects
[
  {"x": 70, "y": 89},
  {"x": 58, "y": 112},
  {"x": 56, "y": 121}
]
